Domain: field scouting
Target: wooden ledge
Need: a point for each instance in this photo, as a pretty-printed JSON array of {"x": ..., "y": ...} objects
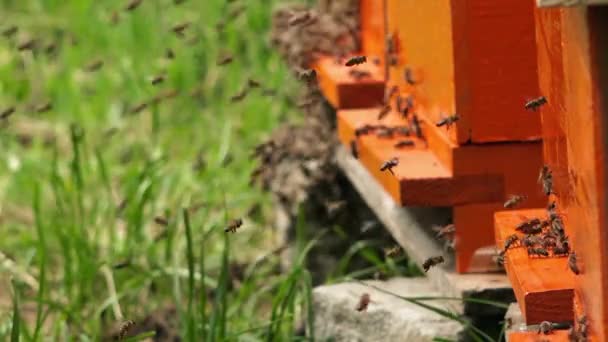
[
  {"x": 530, "y": 336},
  {"x": 544, "y": 287},
  {"x": 343, "y": 90}
]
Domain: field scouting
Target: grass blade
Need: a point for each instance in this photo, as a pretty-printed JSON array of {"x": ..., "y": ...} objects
[
  {"x": 190, "y": 259},
  {"x": 16, "y": 327},
  {"x": 42, "y": 255}
]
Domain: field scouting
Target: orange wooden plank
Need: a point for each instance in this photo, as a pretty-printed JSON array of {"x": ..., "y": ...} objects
[
  {"x": 372, "y": 27},
  {"x": 478, "y": 59},
  {"x": 544, "y": 287},
  {"x": 342, "y": 90},
  {"x": 529, "y": 336}
]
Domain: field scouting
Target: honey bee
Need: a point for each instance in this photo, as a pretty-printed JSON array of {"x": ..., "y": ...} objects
[
  {"x": 363, "y": 302},
  {"x": 10, "y": 31},
  {"x": 309, "y": 75},
  {"x": 234, "y": 225},
  {"x": 402, "y": 130},
  {"x": 550, "y": 241},
  {"x": 531, "y": 226},
  {"x": 393, "y": 251},
  {"x": 573, "y": 264},
  {"x": 500, "y": 258},
  {"x": 26, "y": 45},
  {"x": 7, "y": 112},
  {"x": 389, "y": 165},
  {"x": 534, "y": 104},
  {"x": 531, "y": 240},
  {"x": 353, "y": 149},
  {"x": 582, "y": 326},
  {"x": 94, "y": 65},
  {"x": 537, "y": 251},
  {"x": 409, "y": 76},
  {"x": 124, "y": 329},
  {"x": 236, "y": 12},
  {"x": 545, "y": 178},
  {"x": 510, "y": 241},
  {"x": 389, "y": 93},
  {"x": 169, "y": 54},
  {"x": 133, "y": 4},
  {"x": 158, "y": 79},
  {"x": 390, "y": 43},
  {"x": 224, "y": 58},
  {"x": 162, "y": 221},
  {"x": 384, "y": 111},
  {"x": 138, "y": 108},
  {"x": 432, "y": 261},
  {"x": 44, "y": 107},
  {"x": 404, "y": 143},
  {"x": 363, "y": 130},
  {"x": 240, "y": 96},
  {"x": 445, "y": 231},
  {"x": 121, "y": 264},
  {"x": 179, "y": 29},
  {"x": 545, "y": 328},
  {"x": 448, "y": 121},
  {"x": 416, "y": 126},
  {"x": 252, "y": 83},
  {"x": 393, "y": 60},
  {"x": 355, "y": 61},
  {"x": 557, "y": 226},
  {"x": 514, "y": 200}
]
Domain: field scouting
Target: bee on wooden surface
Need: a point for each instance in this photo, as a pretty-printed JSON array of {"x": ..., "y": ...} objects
[
  {"x": 389, "y": 165},
  {"x": 416, "y": 126},
  {"x": 389, "y": 93},
  {"x": 545, "y": 327},
  {"x": 510, "y": 241},
  {"x": 534, "y": 104},
  {"x": 549, "y": 241},
  {"x": 162, "y": 221},
  {"x": 240, "y": 96},
  {"x": 124, "y": 329},
  {"x": 402, "y": 130},
  {"x": 355, "y": 61},
  {"x": 408, "y": 75},
  {"x": 234, "y": 225},
  {"x": 531, "y": 241},
  {"x": 572, "y": 263},
  {"x": 385, "y": 132},
  {"x": 444, "y": 231},
  {"x": 384, "y": 112},
  {"x": 179, "y": 29},
  {"x": 359, "y": 74},
  {"x": 582, "y": 326},
  {"x": 7, "y": 112},
  {"x": 393, "y": 60},
  {"x": 545, "y": 178},
  {"x": 309, "y": 75},
  {"x": 405, "y": 143},
  {"x": 44, "y": 107},
  {"x": 500, "y": 259},
  {"x": 531, "y": 226},
  {"x": 138, "y": 108},
  {"x": 432, "y": 261},
  {"x": 537, "y": 251},
  {"x": 393, "y": 251},
  {"x": 353, "y": 149},
  {"x": 363, "y": 130},
  {"x": 133, "y": 4},
  {"x": 448, "y": 121},
  {"x": 557, "y": 226},
  {"x": 10, "y": 31},
  {"x": 158, "y": 79},
  {"x": 224, "y": 58},
  {"x": 28, "y": 44},
  {"x": 94, "y": 65},
  {"x": 364, "y": 301},
  {"x": 514, "y": 200}
]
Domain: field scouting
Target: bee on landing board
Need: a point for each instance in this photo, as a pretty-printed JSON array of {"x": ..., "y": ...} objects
[
  {"x": 545, "y": 178},
  {"x": 416, "y": 126},
  {"x": 353, "y": 149},
  {"x": 408, "y": 74},
  {"x": 448, "y": 121},
  {"x": 404, "y": 143},
  {"x": 572, "y": 264},
  {"x": 531, "y": 226},
  {"x": 514, "y": 200},
  {"x": 510, "y": 241},
  {"x": 538, "y": 251},
  {"x": 389, "y": 165},
  {"x": 432, "y": 261},
  {"x": 234, "y": 225},
  {"x": 534, "y": 104},
  {"x": 363, "y": 302},
  {"x": 355, "y": 61},
  {"x": 545, "y": 327},
  {"x": 384, "y": 111}
]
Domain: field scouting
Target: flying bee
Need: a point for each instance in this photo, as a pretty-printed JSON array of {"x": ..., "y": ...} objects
[
  {"x": 448, "y": 121},
  {"x": 10, "y": 31},
  {"x": 384, "y": 111},
  {"x": 393, "y": 251},
  {"x": 416, "y": 126},
  {"x": 408, "y": 74},
  {"x": 7, "y": 112},
  {"x": 169, "y": 54},
  {"x": 582, "y": 326},
  {"x": 124, "y": 329},
  {"x": 353, "y": 149},
  {"x": 309, "y": 75},
  {"x": 363, "y": 302},
  {"x": 545, "y": 327},
  {"x": 531, "y": 226},
  {"x": 28, "y": 44},
  {"x": 132, "y": 5},
  {"x": 158, "y": 79},
  {"x": 573, "y": 264},
  {"x": 161, "y": 221},
  {"x": 510, "y": 241},
  {"x": 389, "y": 165},
  {"x": 537, "y": 251},
  {"x": 234, "y": 225},
  {"x": 359, "y": 74},
  {"x": 94, "y": 65},
  {"x": 534, "y": 104},
  {"x": 500, "y": 259},
  {"x": 236, "y": 12},
  {"x": 514, "y": 200},
  {"x": 446, "y": 231},
  {"x": 50, "y": 48},
  {"x": 432, "y": 261},
  {"x": 138, "y": 108},
  {"x": 405, "y": 143},
  {"x": 253, "y": 83},
  {"x": 224, "y": 58},
  {"x": 179, "y": 29},
  {"x": 44, "y": 107},
  {"x": 355, "y": 61},
  {"x": 545, "y": 178},
  {"x": 240, "y": 96}
]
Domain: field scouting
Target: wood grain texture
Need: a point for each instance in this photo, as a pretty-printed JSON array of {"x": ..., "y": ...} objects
[
  {"x": 544, "y": 287},
  {"x": 344, "y": 91}
]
